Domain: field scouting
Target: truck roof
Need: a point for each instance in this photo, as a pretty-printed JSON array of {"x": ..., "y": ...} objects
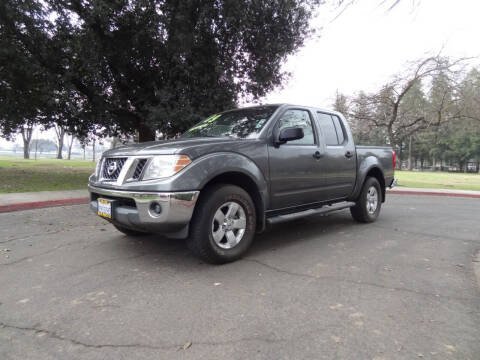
[{"x": 288, "y": 104}]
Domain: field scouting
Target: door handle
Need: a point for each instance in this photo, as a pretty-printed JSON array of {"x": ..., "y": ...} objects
[
  {"x": 349, "y": 154},
  {"x": 317, "y": 155}
]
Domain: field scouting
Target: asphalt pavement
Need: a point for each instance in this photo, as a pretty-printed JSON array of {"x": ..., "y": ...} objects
[{"x": 324, "y": 287}]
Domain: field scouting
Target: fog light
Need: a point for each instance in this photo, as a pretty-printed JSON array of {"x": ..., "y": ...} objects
[{"x": 155, "y": 209}]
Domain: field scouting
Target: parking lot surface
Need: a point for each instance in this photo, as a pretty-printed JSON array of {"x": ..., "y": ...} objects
[{"x": 324, "y": 287}]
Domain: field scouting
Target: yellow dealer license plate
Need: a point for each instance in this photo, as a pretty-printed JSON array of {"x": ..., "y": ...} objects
[{"x": 104, "y": 208}]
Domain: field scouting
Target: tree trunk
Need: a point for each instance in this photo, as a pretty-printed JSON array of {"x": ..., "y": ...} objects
[
  {"x": 26, "y": 150},
  {"x": 60, "y": 130},
  {"x": 410, "y": 154},
  {"x": 70, "y": 148},
  {"x": 93, "y": 150},
  {"x": 114, "y": 143},
  {"x": 27, "y": 137},
  {"x": 399, "y": 155},
  {"x": 36, "y": 146},
  {"x": 145, "y": 133}
]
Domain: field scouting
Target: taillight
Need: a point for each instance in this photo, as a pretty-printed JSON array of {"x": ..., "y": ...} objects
[{"x": 394, "y": 158}]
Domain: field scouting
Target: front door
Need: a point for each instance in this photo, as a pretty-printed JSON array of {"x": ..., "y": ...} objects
[{"x": 295, "y": 172}]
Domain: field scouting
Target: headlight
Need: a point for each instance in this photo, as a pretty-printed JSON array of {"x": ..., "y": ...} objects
[{"x": 165, "y": 165}]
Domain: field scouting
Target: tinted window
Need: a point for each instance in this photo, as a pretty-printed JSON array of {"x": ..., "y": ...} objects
[
  {"x": 339, "y": 128},
  {"x": 328, "y": 128},
  {"x": 298, "y": 118}
]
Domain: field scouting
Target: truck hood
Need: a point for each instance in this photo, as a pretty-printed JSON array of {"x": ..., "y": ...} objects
[{"x": 193, "y": 147}]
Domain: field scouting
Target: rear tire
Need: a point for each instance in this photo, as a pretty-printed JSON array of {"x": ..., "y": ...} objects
[
  {"x": 369, "y": 203},
  {"x": 223, "y": 224},
  {"x": 130, "y": 232}
]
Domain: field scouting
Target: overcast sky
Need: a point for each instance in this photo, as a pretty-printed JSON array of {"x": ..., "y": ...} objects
[{"x": 365, "y": 45}]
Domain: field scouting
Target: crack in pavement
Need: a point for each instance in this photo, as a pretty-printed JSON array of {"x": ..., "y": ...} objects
[
  {"x": 31, "y": 236},
  {"x": 359, "y": 282},
  {"x": 40, "y": 254},
  {"x": 47, "y": 233},
  {"x": 476, "y": 268},
  {"x": 54, "y": 335},
  {"x": 263, "y": 339},
  {"x": 269, "y": 340},
  {"x": 446, "y": 237},
  {"x": 106, "y": 261}
]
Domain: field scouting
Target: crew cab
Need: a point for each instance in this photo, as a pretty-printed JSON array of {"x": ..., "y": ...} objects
[{"x": 237, "y": 172}]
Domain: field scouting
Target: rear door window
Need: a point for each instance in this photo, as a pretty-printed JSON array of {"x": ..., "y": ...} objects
[
  {"x": 339, "y": 129},
  {"x": 328, "y": 128}
]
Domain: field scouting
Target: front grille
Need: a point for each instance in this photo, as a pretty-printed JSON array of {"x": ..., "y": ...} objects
[
  {"x": 139, "y": 169},
  {"x": 112, "y": 168}
]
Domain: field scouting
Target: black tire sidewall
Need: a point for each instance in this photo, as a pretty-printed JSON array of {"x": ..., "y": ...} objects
[
  {"x": 363, "y": 201},
  {"x": 201, "y": 237}
]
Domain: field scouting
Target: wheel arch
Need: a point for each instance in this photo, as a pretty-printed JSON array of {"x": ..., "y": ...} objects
[
  {"x": 370, "y": 167},
  {"x": 247, "y": 183},
  {"x": 378, "y": 174}
]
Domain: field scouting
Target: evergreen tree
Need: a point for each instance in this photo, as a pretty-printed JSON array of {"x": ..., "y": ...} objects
[{"x": 157, "y": 65}]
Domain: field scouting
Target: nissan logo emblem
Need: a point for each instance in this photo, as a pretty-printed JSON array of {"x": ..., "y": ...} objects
[{"x": 112, "y": 167}]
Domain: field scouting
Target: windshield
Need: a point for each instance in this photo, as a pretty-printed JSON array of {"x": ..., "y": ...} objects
[{"x": 242, "y": 123}]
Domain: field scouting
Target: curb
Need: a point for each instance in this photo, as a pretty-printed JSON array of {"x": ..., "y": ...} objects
[
  {"x": 42, "y": 204},
  {"x": 85, "y": 200},
  {"x": 432, "y": 193}
]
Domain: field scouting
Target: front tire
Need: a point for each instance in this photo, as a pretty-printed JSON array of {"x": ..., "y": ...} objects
[
  {"x": 223, "y": 224},
  {"x": 369, "y": 202}
]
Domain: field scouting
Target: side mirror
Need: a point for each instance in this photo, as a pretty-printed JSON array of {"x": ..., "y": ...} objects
[{"x": 289, "y": 134}]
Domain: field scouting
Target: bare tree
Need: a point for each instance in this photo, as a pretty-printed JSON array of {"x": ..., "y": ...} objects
[
  {"x": 36, "y": 146},
  {"x": 60, "y": 132},
  {"x": 340, "y": 103},
  {"x": 93, "y": 149},
  {"x": 115, "y": 142},
  {"x": 27, "y": 132},
  {"x": 70, "y": 144},
  {"x": 386, "y": 108},
  {"x": 388, "y": 5}
]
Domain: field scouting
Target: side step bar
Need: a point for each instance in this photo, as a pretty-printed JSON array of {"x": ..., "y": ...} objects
[{"x": 321, "y": 210}]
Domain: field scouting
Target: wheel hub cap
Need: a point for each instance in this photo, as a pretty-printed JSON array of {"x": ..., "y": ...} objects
[
  {"x": 228, "y": 225},
  {"x": 372, "y": 200}
]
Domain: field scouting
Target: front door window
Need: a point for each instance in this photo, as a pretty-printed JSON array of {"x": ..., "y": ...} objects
[{"x": 298, "y": 118}]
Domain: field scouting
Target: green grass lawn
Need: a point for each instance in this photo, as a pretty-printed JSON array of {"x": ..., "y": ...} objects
[
  {"x": 19, "y": 175},
  {"x": 438, "y": 180}
]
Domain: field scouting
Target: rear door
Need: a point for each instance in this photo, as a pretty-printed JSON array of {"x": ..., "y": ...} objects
[
  {"x": 295, "y": 174},
  {"x": 339, "y": 160}
]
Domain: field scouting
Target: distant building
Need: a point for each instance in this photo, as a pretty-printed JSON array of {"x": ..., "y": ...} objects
[{"x": 472, "y": 166}]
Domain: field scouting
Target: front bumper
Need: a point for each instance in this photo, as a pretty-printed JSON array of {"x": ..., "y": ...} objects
[{"x": 134, "y": 210}]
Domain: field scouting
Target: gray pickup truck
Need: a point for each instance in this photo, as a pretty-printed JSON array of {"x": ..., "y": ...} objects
[{"x": 236, "y": 172}]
